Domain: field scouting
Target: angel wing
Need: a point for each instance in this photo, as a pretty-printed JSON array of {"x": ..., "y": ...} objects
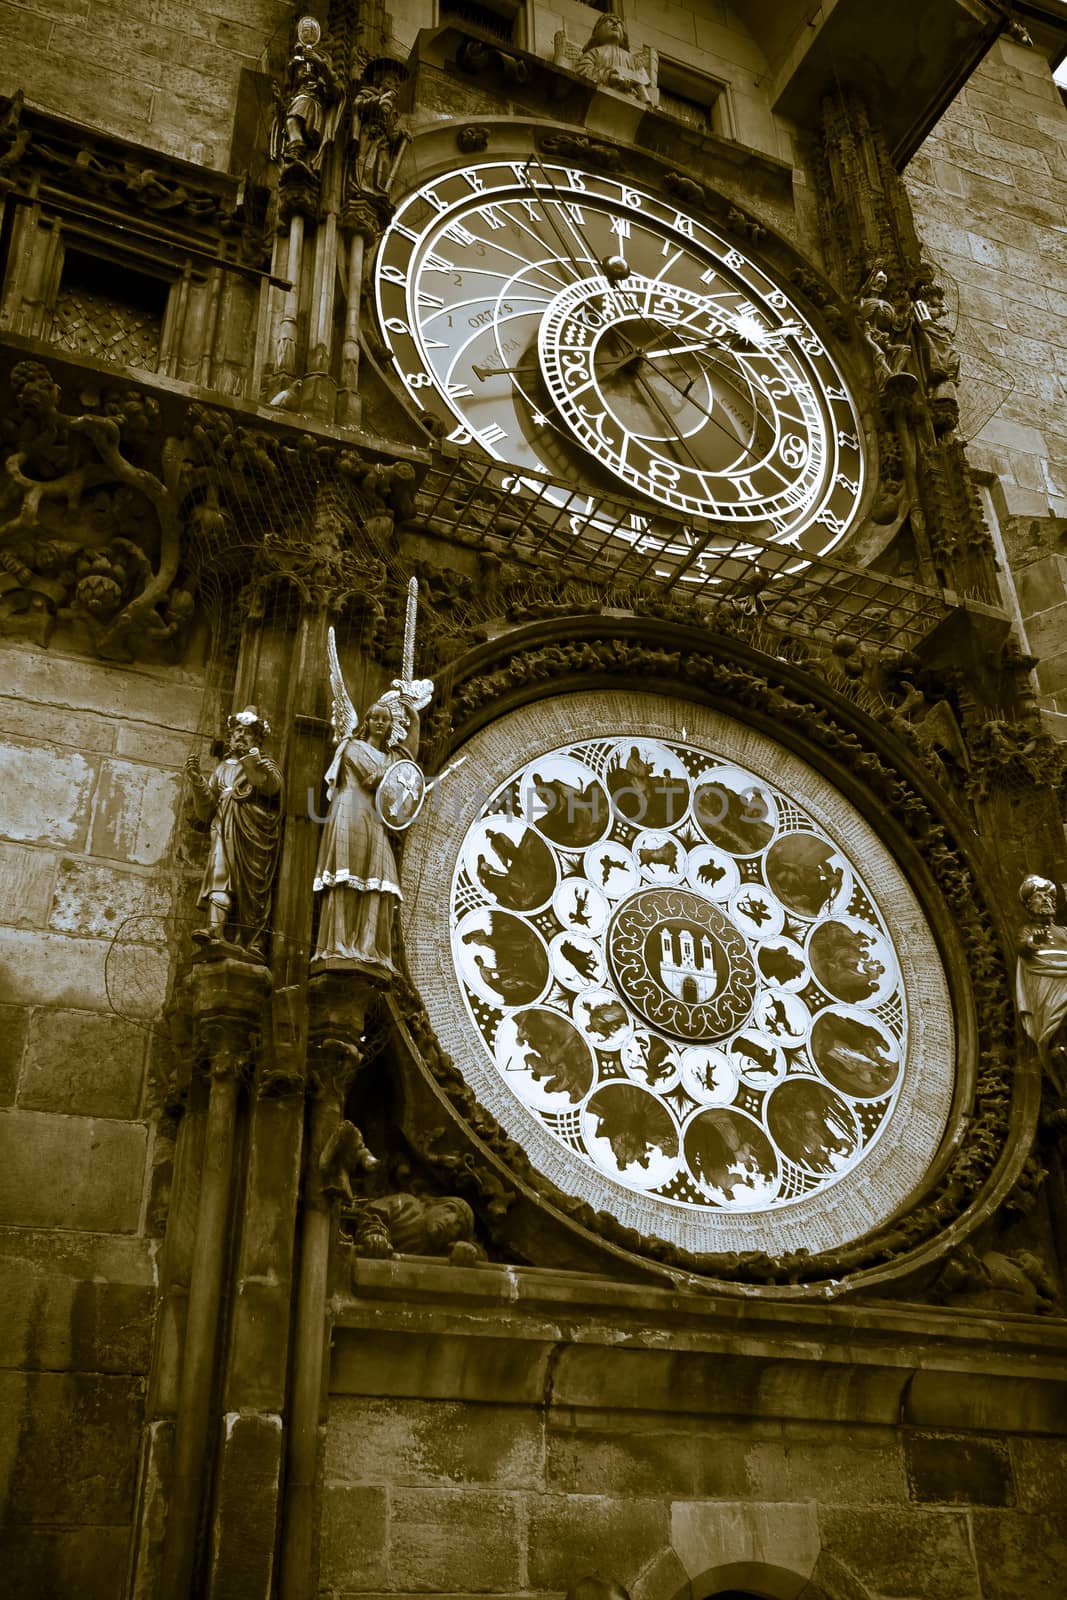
[{"x": 343, "y": 714}]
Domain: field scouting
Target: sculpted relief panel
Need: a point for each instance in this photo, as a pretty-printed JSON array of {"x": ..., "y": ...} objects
[{"x": 684, "y": 973}]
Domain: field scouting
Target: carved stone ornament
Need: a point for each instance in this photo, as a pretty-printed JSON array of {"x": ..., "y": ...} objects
[
  {"x": 607, "y": 60},
  {"x": 416, "y": 1225},
  {"x": 994, "y": 1281},
  {"x": 76, "y": 504},
  {"x": 242, "y": 801},
  {"x": 1041, "y": 978}
]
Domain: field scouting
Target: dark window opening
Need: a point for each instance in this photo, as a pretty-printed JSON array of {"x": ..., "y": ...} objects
[
  {"x": 487, "y": 19},
  {"x": 109, "y": 311}
]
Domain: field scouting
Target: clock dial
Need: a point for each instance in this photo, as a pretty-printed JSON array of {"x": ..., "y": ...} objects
[{"x": 569, "y": 323}]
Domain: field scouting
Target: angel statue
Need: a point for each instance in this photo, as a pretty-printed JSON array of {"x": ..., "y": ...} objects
[{"x": 375, "y": 787}]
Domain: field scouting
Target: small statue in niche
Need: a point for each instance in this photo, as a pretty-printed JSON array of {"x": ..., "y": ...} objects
[
  {"x": 375, "y": 787},
  {"x": 608, "y": 60},
  {"x": 941, "y": 361},
  {"x": 1041, "y": 977},
  {"x": 310, "y": 109},
  {"x": 414, "y": 1225},
  {"x": 377, "y": 136},
  {"x": 884, "y": 328},
  {"x": 243, "y": 801}
]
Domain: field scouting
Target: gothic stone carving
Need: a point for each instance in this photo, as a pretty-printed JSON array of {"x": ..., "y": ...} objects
[{"x": 242, "y": 799}]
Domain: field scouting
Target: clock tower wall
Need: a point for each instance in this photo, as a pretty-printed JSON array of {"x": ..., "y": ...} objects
[{"x": 510, "y": 1268}]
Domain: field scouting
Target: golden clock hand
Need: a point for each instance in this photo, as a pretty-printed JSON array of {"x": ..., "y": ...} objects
[
  {"x": 495, "y": 372},
  {"x": 673, "y": 350}
]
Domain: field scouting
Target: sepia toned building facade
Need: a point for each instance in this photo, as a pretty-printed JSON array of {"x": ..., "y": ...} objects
[{"x": 533, "y": 678}]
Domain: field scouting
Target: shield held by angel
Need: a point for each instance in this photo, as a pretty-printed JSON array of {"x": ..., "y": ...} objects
[{"x": 374, "y": 786}]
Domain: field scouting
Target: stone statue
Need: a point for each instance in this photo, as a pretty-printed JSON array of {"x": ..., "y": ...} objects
[
  {"x": 374, "y": 786},
  {"x": 243, "y": 801},
  {"x": 607, "y": 59},
  {"x": 994, "y": 1281},
  {"x": 1041, "y": 977},
  {"x": 377, "y": 137},
  {"x": 883, "y": 327},
  {"x": 413, "y": 1225},
  {"x": 311, "y": 107},
  {"x": 940, "y": 359},
  {"x": 344, "y": 1157}
]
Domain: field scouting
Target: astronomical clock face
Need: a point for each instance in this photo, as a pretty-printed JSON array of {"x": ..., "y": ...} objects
[
  {"x": 576, "y": 326},
  {"x": 683, "y": 973}
]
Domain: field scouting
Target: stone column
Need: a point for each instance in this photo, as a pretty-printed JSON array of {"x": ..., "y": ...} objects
[
  {"x": 227, "y": 1000},
  {"x": 338, "y": 1005}
]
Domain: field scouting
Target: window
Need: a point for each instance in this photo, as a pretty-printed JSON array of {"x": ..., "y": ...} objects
[
  {"x": 500, "y": 19},
  {"x": 693, "y": 98}
]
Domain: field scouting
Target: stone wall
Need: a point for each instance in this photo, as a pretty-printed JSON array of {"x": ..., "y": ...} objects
[
  {"x": 163, "y": 74},
  {"x": 89, "y": 786},
  {"x": 989, "y": 188},
  {"x": 505, "y": 1431}
]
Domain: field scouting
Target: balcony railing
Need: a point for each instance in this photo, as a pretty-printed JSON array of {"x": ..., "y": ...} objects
[{"x": 551, "y": 526}]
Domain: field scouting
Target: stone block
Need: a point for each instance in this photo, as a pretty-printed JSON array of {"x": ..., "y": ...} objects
[
  {"x": 354, "y": 1533},
  {"x": 905, "y": 1552},
  {"x": 135, "y": 811},
  {"x": 84, "y": 731},
  {"x": 449, "y": 1539},
  {"x": 717, "y": 1543},
  {"x": 157, "y": 747},
  {"x": 1020, "y": 1555},
  {"x": 74, "y": 1440},
  {"x": 244, "y": 1526},
  {"x": 434, "y": 1442},
  {"x": 637, "y": 1457},
  {"x": 960, "y": 1470},
  {"x": 1046, "y": 631},
  {"x": 445, "y": 1367},
  {"x": 41, "y": 1562},
  {"x": 70, "y": 1172},
  {"x": 56, "y": 1320},
  {"x": 99, "y": 902},
  {"x": 1039, "y": 1467},
  {"x": 85, "y": 974},
  {"x": 86, "y": 1062},
  {"x": 866, "y": 1468},
  {"x": 26, "y": 876},
  {"x": 571, "y": 1533},
  {"x": 161, "y": 697},
  {"x": 44, "y": 794},
  {"x": 14, "y": 1025}
]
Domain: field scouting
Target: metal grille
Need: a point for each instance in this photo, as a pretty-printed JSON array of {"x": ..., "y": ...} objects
[
  {"x": 95, "y": 325},
  {"x": 554, "y": 527}
]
